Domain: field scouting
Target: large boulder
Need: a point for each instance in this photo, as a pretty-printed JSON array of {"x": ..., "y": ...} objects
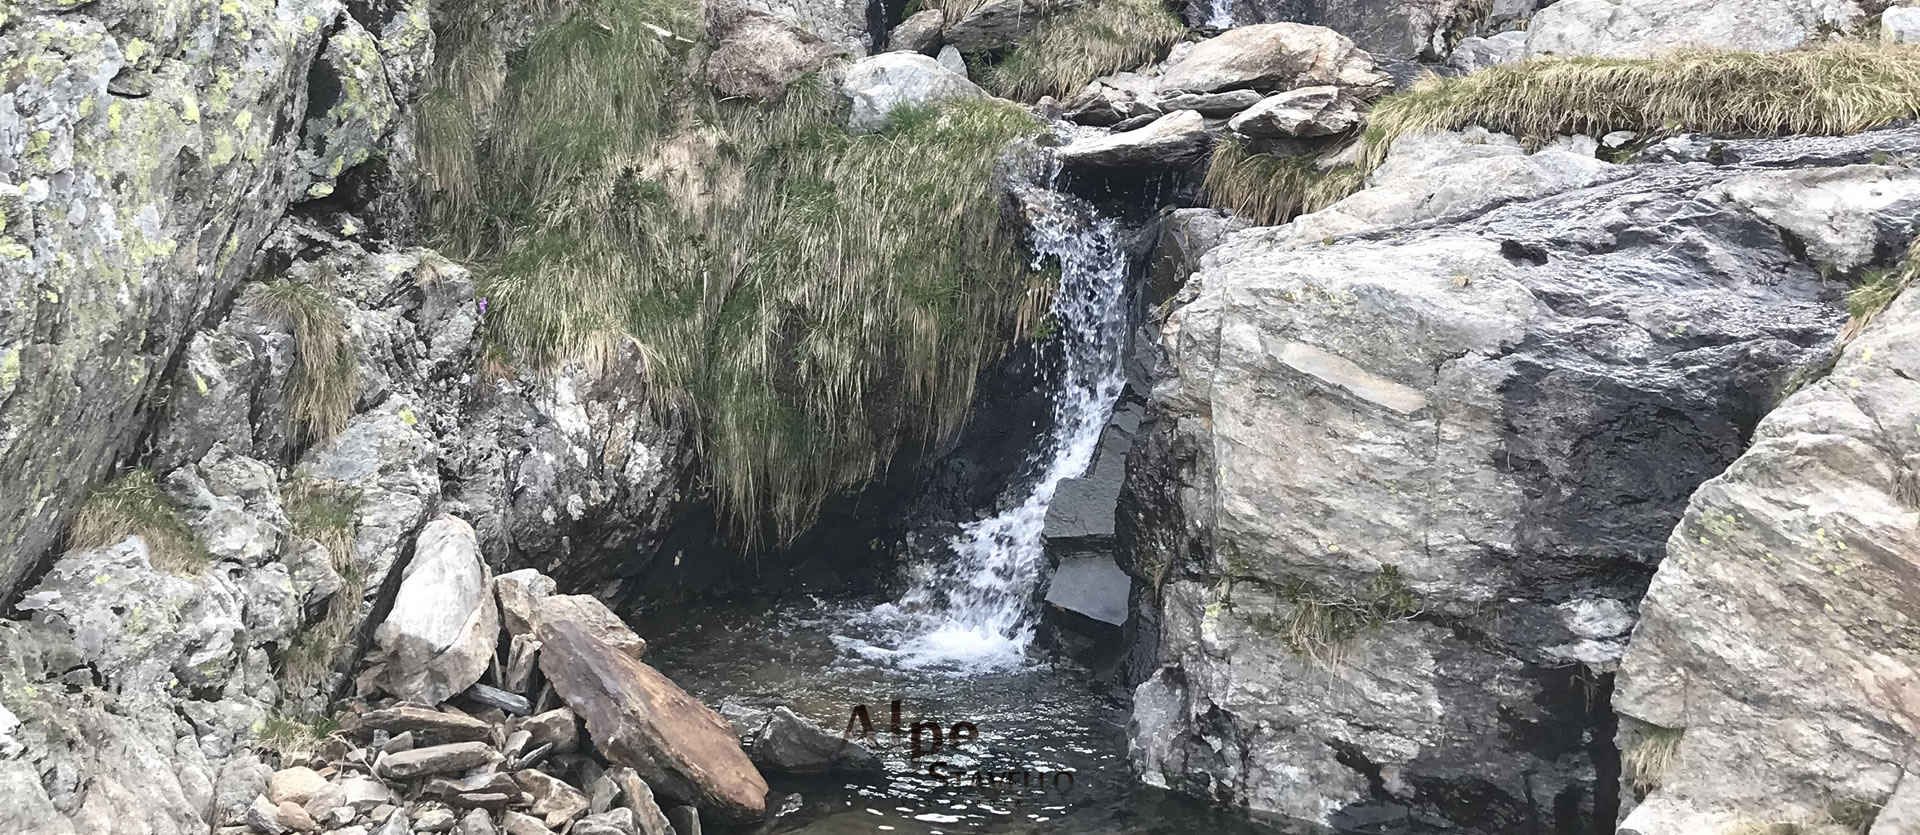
[
  {"x": 1272, "y": 57},
  {"x": 1643, "y": 28},
  {"x": 440, "y": 635},
  {"x": 883, "y": 82},
  {"x": 842, "y": 23},
  {"x": 1775, "y": 673},
  {"x": 759, "y": 56},
  {"x": 995, "y": 24},
  {"x": 1402, "y": 29},
  {"x": 641, "y": 720},
  {"x": 1397, "y": 497}
]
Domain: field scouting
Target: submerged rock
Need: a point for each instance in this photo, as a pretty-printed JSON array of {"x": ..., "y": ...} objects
[
  {"x": 639, "y": 719},
  {"x": 1397, "y": 497},
  {"x": 787, "y": 742},
  {"x": 439, "y": 637},
  {"x": 1775, "y": 673}
]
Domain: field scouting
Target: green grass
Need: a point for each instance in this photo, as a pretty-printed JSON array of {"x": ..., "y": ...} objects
[
  {"x": 1066, "y": 51},
  {"x": 133, "y": 504},
  {"x": 291, "y": 738},
  {"x": 1837, "y": 87},
  {"x": 326, "y": 371},
  {"x": 327, "y": 513},
  {"x": 813, "y": 301}
]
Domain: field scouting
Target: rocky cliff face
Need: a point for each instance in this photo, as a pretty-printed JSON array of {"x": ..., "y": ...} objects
[
  {"x": 1402, "y": 489},
  {"x": 1772, "y": 678}
]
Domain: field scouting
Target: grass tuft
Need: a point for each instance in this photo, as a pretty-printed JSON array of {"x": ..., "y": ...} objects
[
  {"x": 293, "y": 740},
  {"x": 326, "y": 372},
  {"x": 1650, "y": 758},
  {"x": 1318, "y": 625},
  {"x": 1075, "y": 47},
  {"x": 327, "y": 513},
  {"x": 133, "y": 505},
  {"x": 1875, "y": 291},
  {"x": 755, "y": 256},
  {"x": 1835, "y": 87}
]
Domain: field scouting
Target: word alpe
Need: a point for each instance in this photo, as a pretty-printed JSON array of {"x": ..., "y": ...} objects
[{"x": 928, "y": 737}]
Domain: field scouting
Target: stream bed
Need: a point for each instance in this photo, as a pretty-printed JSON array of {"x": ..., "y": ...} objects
[{"x": 1036, "y": 721}]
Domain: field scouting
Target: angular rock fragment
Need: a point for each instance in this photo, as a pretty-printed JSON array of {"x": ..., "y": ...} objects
[
  {"x": 436, "y": 759},
  {"x": 439, "y": 636}
]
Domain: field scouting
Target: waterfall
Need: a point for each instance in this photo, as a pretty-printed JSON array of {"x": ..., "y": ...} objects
[
  {"x": 976, "y": 611},
  {"x": 1220, "y": 14}
]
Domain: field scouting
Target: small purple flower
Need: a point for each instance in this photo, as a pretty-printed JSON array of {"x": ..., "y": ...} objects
[{"x": 483, "y": 305}]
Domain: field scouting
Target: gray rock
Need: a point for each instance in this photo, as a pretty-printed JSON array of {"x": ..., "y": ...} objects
[
  {"x": 1176, "y": 138},
  {"x": 792, "y": 744},
  {"x": 920, "y": 32},
  {"x": 1305, "y": 112},
  {"x": 365, "y": 793},
  {"x": 516, "y": 823},
  {"x": 352, "y": 111},
  {"x": 760, "y": 56},
  {"x": 477, "y": 822},
  {"x": 436, "y": 759},
  {"x": 520, "y": 593},
  {"x": 553, "y": 799},
  {"x": 1445, "y": 175},
  {"x": 488, "y": 790},
  {"x": 263, "y": 816},
  {"x": 1480, "y": 53},
  {"x": 1212, "y": 105},
  {"x": 127, "y": 218},
  {"x": 295, "y": 785},
  {"x": 434, "y": 820},
  {"x": 439, "y": 636},
  {"x": 1273, "y": 56},
  {"x": 883, "y": 82},
  {"x": 615, "y": 822},
  {"x": 1456, "y": 450},
  {"x": 839, "y": 22},
  {"x": 1840, "y": 214},
  {"x": 1115, "y": 98},
  {"x": 395, "y": 824},
  {"x": 427, "y": 725},
  {"x": 1777, "y": 635},
  {"x": 637, "y": 797},
  {"x": 950, "y": 58},
  {"x": 1399, "y": 29},
  {"x": 1641, "y": 28},
  {"x": 1900, "y": 24},
  {"x": 993, "y": 24}
]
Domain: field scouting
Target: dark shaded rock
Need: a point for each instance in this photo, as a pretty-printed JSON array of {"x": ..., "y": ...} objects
[
  {"x": 920, "y": 33},
  {"x": 492, "y": 790},
  {"x": 789, "y": 743},
  {"x": 437, "y": 759},
  {"x": 428, "y": 725},
  {"x": 641, "y": 720}
]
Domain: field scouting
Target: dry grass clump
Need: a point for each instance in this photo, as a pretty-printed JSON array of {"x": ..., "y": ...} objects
[
  {"x": 326, "y": 372},
  {"x": 1876, "y": 290},
  {"x": 1271, "y": 189},
  {"x": 1836, "y": 87},
  {"x": 1650, "y": 758},
  {"x": 1318, "y": 626},
  {"x": 133, "y": 505},
  {"x": 813, "y": 300},
  {"x": 1066, "y": 51},
  {"x": 327, "y": 513}
]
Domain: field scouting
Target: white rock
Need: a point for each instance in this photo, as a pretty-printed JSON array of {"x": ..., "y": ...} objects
[
  {"x": 950, "y": 58},
  {"x": 1305, "y": 112},
  {"x": 1480, "y": 53},
  {"x": 1900, "y": 24},
  {"x": 439, "y": 637},
  {"x": 883, "y": 82},
  {"x": 1833, "y": 211},
  {"x": 1273, "y": 56},
  {"x": 1643, "y": 28},
  {"x": 1177, "y": 136}
]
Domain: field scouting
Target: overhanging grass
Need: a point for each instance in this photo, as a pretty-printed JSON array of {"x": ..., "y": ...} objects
[
  {"x": 1877, "y": 290},
  {"x": 813, "y": 300},
  {"x": 1270, "y": 189},
  {"x": 1650, "y": 758},
  {"x": 1837, "y": 87},
  {"x": 133, "y": 505},
  {"x": 326, "y": 373},
  {"x": 1068, "y": 50}
]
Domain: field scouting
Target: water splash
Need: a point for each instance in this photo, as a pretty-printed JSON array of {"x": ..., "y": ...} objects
[
  {"x": 976, "y": 612},
  {"x": 1220, "y": 15}
]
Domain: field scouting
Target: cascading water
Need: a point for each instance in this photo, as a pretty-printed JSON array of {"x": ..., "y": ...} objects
[
  {"x": 1220, "y": 15},
  {"x": 976, "y": 611}
]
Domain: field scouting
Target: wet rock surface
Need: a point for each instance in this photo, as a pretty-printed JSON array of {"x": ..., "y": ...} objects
[{"x": 1435, "y": 465}]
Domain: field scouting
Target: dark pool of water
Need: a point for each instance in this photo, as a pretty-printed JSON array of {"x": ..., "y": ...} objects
[{"x": 1035, "y": 724}]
